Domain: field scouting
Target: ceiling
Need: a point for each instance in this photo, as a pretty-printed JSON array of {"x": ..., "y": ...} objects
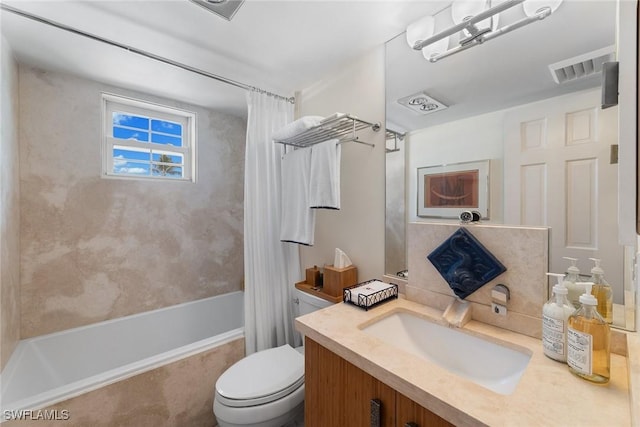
[
  {"x": 279, "y": 46},
  {"x": 285, "y": 46}
]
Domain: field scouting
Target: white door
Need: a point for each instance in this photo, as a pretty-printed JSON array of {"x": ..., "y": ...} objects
[{"x": 558, "y": 172}]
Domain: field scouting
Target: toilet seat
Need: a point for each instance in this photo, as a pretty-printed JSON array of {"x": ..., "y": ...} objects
[{"x": 261, "y": 378}]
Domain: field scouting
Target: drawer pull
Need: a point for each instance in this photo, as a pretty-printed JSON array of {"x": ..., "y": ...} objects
[
  {"x": 411, "y": 424},
  {"x": 376, "y": 406}
]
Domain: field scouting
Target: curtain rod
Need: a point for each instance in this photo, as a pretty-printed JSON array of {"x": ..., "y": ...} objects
[{"x": 143, "y": 53}]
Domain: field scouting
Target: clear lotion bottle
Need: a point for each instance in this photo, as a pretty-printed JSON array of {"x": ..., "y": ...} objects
[
  {"x": 571, "y": 282},
  {"x": 588, "y": 338},
  {"x": 602, "y": 291},
  {"x": 555, "y": 319}
]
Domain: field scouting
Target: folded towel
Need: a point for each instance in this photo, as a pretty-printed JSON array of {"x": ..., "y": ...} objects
[
  {"x": 297, "y": 221},
  {"x": 333, "y": 117},
  {"x": 297, "y": 126},
  {"x": 324, "y": 180},
  {"x": 367, "y": 289}
]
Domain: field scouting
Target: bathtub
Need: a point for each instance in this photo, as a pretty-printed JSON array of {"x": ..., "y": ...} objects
[{"x": 51, "y": 368}]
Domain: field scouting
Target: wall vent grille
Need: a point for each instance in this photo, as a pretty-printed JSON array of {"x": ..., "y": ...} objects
[{"x": 581, "y": 66}]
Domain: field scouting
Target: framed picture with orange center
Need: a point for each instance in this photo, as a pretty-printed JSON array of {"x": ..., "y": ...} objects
[{"x": 445, "y": 191}]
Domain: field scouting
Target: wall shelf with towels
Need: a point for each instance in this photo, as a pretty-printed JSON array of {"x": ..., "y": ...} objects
[{"x": 343, "y": 127}]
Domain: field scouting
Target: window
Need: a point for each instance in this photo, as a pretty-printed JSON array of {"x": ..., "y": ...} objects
[{"x": 143, "y": 140}]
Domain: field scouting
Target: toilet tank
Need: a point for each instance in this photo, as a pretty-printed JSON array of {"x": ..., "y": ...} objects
[{"x": 308, "y": 303}]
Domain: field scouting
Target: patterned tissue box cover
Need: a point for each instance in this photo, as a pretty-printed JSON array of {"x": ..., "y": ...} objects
[{"x": 464, "y": 263}]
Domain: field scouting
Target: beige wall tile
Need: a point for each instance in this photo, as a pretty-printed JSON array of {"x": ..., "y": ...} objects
[
  {"x": 9, "y": 206},
  {"x": 522, "y": 250},
  {"x": 176, "y": 395},
  {"x": 95, "y": 249}
]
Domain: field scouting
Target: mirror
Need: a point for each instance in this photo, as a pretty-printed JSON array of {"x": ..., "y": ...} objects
[
  {"x": 500, "y": 96},
  {"x": 395, "y": 257}
]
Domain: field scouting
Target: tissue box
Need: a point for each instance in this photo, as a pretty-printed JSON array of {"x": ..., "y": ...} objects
[{"x": 336, "y": 279}]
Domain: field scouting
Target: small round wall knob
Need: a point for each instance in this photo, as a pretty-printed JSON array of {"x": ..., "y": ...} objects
[{"x": 466, "y": 217}]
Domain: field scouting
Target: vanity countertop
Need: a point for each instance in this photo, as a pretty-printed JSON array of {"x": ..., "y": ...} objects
[{"x": 547, "y": 394}]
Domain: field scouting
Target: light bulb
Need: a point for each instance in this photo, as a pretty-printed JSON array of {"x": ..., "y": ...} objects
[
  {"x": 532, "y": 7},
  {"x": 463, "y": 10},
  {"x": 435, "y": 48},
  {"x": 419, "y": 30}
]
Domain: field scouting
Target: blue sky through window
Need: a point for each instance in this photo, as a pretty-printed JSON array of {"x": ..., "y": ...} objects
[
  {"x": 159, "y": 138},
  {"x": 166, "y": 127},
  {"x": 143, "y": 129},
  {"x": 123, "y": 133},
  {"x": 138, "y": 122},
  {"x": 151, "y": 153}
]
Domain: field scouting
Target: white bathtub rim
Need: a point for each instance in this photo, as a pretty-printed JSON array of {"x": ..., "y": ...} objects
[
  {"x": 77, "y": 388},
  {"x": 129, "y": 316},
  {"x": 93, "y": 382},
  {"x": 9, "y": 370}
]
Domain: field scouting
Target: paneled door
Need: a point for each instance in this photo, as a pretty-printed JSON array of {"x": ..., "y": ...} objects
[{"x": 559, "y": 172}]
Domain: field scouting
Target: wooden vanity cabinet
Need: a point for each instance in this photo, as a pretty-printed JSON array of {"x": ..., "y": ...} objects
[
  {"x": 338, "y": 393},
  {"x": 408, "y": 411}
]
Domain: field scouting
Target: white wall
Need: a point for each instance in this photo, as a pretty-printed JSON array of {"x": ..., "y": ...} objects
[
  {"x": 358, "y": 228},
  {"x": 476, "y": 138},
  {"x": 627, "y": 154}
]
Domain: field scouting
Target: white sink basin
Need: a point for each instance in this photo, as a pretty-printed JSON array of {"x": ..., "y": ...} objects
[{"x": 488, "y": 364}]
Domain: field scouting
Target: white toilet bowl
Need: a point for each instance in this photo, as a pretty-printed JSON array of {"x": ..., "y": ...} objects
[{"x": 265, "y": 389}]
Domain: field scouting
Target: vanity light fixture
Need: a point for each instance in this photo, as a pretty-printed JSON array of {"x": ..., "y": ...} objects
[
  {"x": 463, "y": 10},
  {"x": 477, "y": 20},
  {"x": 422, "y": 29},
  {"x": 224, "y": 8}
]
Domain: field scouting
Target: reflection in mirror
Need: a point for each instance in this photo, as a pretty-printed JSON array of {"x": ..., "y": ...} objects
[
  {"x": 548, "y": 140},
  {"x": 395, "y": 216}
]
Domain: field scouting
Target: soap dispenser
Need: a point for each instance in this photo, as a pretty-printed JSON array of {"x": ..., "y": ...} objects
[
  {"x": 555, "y": 320},
  {"x": 602, "y": 291},
  {"x": 588, "y": 338},
  {"x": 571, "y": 282}
]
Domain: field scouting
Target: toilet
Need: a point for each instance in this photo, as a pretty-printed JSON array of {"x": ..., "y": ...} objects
[{"x": 265, "y": 389}]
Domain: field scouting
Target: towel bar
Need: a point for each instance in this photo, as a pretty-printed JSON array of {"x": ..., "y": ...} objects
[{"x": 335, "y": 127}]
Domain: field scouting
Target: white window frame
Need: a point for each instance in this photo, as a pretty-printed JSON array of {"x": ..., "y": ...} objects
[{"x": 115, "y": 103}]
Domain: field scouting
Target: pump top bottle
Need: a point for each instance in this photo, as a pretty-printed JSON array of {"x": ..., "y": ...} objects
[
  {"x": 588, "y": 340},
  {"x": 602, "y": 291},
  {"x": 555, "y": 320},
  {"x": 571, "y": 282}
]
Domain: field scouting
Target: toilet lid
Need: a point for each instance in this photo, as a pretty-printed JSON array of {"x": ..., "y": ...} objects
[{"x": 262, "y": 377}]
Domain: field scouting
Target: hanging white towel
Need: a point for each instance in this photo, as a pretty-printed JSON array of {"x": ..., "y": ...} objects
[
  {"x": 324, "y": 180},
  {"x": 297, "y": 220}
]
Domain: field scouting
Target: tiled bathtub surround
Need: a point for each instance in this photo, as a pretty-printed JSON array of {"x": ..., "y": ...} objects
[
  {"x": 94, "y": 249},
  {"x": 9, "y": 206},
  {"x": 174, "y": 395},
  {"x": 522, "y": 250}
]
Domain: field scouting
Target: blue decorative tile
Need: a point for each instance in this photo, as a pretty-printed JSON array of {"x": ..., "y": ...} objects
[{"x": 464, "y": 263}]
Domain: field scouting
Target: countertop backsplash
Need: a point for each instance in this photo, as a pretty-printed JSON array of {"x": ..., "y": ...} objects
[{"x": 524, "y": 251}]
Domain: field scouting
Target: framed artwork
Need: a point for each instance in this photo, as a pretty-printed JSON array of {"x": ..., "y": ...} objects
[{"x": 447, "y": 190}]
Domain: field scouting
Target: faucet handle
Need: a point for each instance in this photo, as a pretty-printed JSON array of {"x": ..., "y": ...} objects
[{"x": 500, "y": 294}]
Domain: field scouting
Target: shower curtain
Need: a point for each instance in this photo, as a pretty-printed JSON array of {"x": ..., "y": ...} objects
[{"x": 271, "y": 267}]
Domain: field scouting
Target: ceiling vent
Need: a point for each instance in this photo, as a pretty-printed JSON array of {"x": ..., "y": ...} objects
[
  {"x": 422, "y": 103},
  {"x": 582, "y": 65}
]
